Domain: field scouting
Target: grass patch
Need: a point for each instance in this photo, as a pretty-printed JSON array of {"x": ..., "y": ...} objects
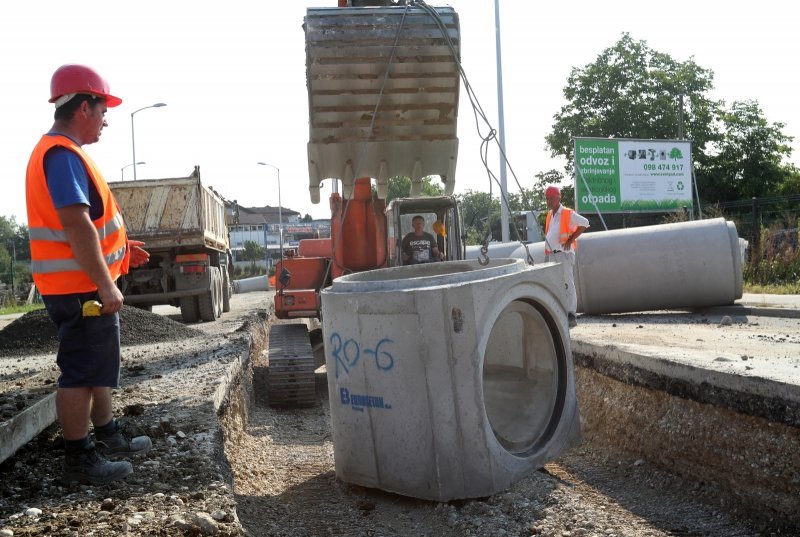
[
  {"x": 20, "y": 308},
  {"x": 784, "y": 289},
  {"x": 654, "y": 205},
  {"x": 777, "y": 267}
]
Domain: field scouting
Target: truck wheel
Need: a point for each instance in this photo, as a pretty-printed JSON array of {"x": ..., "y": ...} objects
[
  {"x": 190, "y": 309},
  {"x": 226, "y": 291},
  {"x": 208, "y": 301},
  {"x": 218, "y": 303}
]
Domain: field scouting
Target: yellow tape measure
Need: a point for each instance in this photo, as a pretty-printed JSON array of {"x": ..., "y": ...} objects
[{"x": 92, "y": 308}]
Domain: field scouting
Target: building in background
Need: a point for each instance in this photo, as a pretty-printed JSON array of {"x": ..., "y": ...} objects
[{"x": 261, "y": 225}]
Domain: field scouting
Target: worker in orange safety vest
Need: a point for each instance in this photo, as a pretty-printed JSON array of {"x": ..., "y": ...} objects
[
  {"x": 561, "y": 243},
  {"x": 79, "y": 248}
]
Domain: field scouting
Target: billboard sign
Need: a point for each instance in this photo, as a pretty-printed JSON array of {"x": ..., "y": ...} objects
[{"x": 624, "y": 175}]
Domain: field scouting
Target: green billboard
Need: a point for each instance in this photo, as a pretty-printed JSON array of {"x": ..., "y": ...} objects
[{"x": 624, "y": 175}]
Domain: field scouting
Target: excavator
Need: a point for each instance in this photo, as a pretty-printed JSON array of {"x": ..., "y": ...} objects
[{"x": 383, "y": 84}]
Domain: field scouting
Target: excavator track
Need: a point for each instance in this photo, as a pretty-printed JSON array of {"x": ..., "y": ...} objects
[{"x": 291, "y": 367}]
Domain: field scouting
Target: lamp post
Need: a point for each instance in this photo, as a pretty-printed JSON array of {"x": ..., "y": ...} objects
[
  {"x": 280, "y": 214},
  {"x": 133, "y": 136},
  {"x": 122, "y": 170},
  {"x": 13, "y": 259}
]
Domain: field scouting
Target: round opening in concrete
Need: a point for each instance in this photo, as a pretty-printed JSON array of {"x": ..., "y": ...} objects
[{"x": 523, "y": 377}]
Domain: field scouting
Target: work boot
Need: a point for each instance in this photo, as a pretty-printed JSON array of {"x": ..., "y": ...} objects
[
  {"x": 573, "y": 320},
  {"x": 117, "y": 445},
  {"x": 90, "y": 465}
]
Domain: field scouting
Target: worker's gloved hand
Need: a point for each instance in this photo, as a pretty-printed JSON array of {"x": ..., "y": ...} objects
[{"x": 139, "y": 256}]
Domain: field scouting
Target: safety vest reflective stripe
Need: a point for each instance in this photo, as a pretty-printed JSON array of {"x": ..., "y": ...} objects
[
  {"x": 63, "y": 265},
  {"x": 58, "y": 235}
]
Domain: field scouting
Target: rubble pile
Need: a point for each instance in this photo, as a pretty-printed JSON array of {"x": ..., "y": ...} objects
[{"x": 35, "y": 333}]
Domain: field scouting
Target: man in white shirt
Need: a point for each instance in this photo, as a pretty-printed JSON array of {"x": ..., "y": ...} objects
[{"x": 561, "y": 242}]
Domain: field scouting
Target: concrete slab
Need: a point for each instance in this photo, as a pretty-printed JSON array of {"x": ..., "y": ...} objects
[
  {"x": 23, "y": 427},
  {"x": 747, "y": 362},
  {"x": 761, "y": 300}
]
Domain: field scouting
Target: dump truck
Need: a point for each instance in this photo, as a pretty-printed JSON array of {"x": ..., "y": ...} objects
[{"x": 183, "y": 225}]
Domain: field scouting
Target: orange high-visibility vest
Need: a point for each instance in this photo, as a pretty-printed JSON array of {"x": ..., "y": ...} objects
[
  {"x": 564, "y": 232},
  {"x": 53, "y": 266}
]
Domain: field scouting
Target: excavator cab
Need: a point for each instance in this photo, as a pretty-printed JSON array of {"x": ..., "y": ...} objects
[{"x": 442, "y": 216}]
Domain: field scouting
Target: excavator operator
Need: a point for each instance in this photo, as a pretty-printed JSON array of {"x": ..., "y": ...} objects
[{"x": 419, "y": 246}]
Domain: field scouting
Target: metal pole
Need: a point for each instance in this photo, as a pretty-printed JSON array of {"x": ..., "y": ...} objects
[
  {"x": 133, "y": 146},
  {"x": 280, "y": 212},
  {"x": 266, "y": 248},
  {"x": 280, "y": 215},
  {"x": 13, "y": 258},
  {"x": 680, "y": 116},
  {"x": 502, "y": 130}
]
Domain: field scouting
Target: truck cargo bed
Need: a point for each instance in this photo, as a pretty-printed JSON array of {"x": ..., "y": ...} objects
[{"x": 170, "y": 213}]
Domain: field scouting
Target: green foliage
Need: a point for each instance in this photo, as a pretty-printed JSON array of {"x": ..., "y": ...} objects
[
  {"x": 400, "y": 187},
  {"x": 778, "y": 262},
  {"x": 14, "y": 244},
  {"x": 253, "y": 252},
  {"x": 652, "y": 205},
  {"x": 307, "y": 218},
  {"x": 791, "y": 181},
  {"x": 20, "y": 308},
  {"x": 482, "y": 214},
  {"x": 774, "y": 272},
  {"x": 749, "y": 159},
  {"x": 631, "y": 91}
]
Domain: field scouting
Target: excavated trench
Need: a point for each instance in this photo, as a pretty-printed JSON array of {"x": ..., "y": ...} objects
[{"x": 654, "y": 460}]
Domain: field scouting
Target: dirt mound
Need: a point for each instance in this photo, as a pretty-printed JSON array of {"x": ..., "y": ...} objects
[{"x": 35, "y": 333}]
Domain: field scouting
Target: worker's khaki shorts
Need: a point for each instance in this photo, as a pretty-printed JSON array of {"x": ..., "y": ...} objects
[{"x": 88, "y": 347}]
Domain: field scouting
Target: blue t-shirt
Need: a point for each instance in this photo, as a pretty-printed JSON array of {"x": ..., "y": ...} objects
[{"x": 69, "y": 183}]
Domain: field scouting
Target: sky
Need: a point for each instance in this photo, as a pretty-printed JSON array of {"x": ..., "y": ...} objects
[{"x": 232, "y": 75}]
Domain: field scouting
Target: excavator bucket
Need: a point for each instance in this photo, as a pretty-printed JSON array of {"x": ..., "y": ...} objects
[{"x": 383, "y": 88}]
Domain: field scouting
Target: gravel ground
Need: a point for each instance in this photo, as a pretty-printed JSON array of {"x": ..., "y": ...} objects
[
  {"x": 169, "y": 391},
  {"x": 285, "y": 485},
  {"x": 238, "y": 467}
]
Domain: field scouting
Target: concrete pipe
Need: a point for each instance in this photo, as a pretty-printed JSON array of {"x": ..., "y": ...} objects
[
  {"x": 448, "y": 380},
  {"x": 248, "y": 285},
  {"x": 669, "y": 266}
]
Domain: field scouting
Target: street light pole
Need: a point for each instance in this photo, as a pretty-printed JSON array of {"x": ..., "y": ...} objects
[
  {"x": 122, "y": 170},
  {"x": 280, "y": 214},
  {"x": 13, "y": 258},
  {"x": 133, "y": 136}
]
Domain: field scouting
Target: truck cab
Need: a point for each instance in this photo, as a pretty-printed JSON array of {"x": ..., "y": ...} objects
[{"x": 450, "y": 238}]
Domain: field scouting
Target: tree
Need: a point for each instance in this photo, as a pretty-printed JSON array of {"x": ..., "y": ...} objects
[
  {"x": 400, "y": 187},
  {"x": 478, "y": 210},
  {"x": 482, "y": 214},
  {"x": 14, "y": 242},
  {"x": 253, "y": 251},
  {"x": 631, "y": 91},
  {"x": 749, "y": 159},
  {"x": 307, "y": 218}
]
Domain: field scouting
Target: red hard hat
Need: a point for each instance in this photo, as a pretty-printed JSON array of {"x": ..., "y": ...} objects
[
  {"x": 552, "y": 191},
  {"x": 74, "y": 78}
]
